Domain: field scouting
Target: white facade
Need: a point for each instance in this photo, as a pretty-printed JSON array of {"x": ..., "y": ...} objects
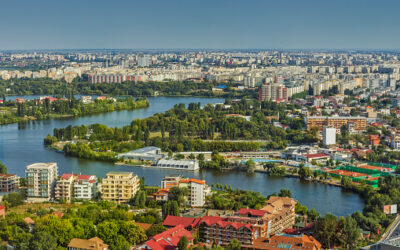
[
  {"x": 85, "y": 187},
  {"x": 329, "y": 136},
  {"x": 197, "y": 191},
  {"x": 41, "y": 181},
  {"x": 179, "y": 164}
]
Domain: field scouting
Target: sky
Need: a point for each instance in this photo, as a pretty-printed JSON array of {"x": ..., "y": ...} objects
[{"x": 199, "y": 24}]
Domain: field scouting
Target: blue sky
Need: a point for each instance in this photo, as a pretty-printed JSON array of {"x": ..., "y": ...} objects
[{"x": 291, "y": 24}]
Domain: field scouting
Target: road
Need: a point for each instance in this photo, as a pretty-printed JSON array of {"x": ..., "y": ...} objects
[{"x": 393, "y": 230}]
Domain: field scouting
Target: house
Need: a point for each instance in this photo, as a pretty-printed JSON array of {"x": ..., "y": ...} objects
[
  {"x": 374, "y": 140},
  {"x": 2, "y": 212},
  {"x": 167, "y": 240},
  {"x": 30, "y": 223},
  {"x": 161, "y": 194},
  {"x": 94, "y": 243}
]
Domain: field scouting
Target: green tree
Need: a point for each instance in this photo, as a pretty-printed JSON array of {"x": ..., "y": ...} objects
[
  {"x": 131, "y": 232},
  {"x": 155, "y": 229},
  {"x": 43, "y": 240},
  {"x": 250, "y": 166},
  {"x": 13, "y": 199},
  {"x": 178, "y": 194},
  {"x": 183, "y": 243},
  {"x": 285, "y": 193},
  {"x": 326, "y": 230},
  {"x": 234, "y": 244},
  {"x": 305, "y": 172},
  {"x": 140, "y": 199},
  {"x": 350, "y": 233},
  {"x": 170, "y": 208},
  {"x": 3, "y": 168},
  {"x": 107, "y": 231}
]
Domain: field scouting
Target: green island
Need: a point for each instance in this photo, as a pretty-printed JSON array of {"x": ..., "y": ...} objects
[
  {"x": 184, "y": 129},
  {"x": 50, "y": 108}
]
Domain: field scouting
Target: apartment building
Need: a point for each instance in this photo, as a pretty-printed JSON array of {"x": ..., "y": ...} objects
[
  {"x": 214, "y": 229},
  {"x": 41, "y": 180},
  {"x": 119, "y": 187},
  {"x": 249, "y": 224},
  {"x": 280, "y": 214},
  {"x": 358, "y": 123},
  {"x": 198, "y": 189},
  {"x": 85, "y": 187},
  {"x": 9, "y": 183},
  {"x": 273, "y": 92},
  {"x": 64, "y": 187}
]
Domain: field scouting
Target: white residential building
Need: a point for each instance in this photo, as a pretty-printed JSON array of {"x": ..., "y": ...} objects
[
  {"x": 197, "y": 191},
  {"x": 41, "y": 180},
  {"x": 329, "y": 136},
  {"x": 85, "y": 187}
]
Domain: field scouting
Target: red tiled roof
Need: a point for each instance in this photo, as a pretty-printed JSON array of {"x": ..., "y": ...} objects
[
  {"x": 168, "y": 239},
  {"x": 253, "y": 212},
  {"x": 172, "y": 221},
  {"x": 316, "y": 155},
  {"x": 192, "y": 180},
  {"x": 84, "y": 177},
  {"x": 66, "y": 176}
]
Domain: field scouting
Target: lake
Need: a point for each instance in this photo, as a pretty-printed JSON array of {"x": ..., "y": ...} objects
[{"x": 22, "y": 144}]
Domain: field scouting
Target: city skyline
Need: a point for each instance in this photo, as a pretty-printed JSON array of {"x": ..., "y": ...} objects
[{"x": 199, "y": 25}]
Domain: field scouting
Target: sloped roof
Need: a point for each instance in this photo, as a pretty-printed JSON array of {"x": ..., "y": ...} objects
[
  {"x": 253, "y": 212},
  {"x": 172, "y": 221}
]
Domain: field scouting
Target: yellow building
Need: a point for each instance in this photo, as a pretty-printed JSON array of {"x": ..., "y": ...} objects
[
  {"x": 359, "y": 123},
  {"x": 119, "y": 187},
  {"x": 64, "y": 187}
]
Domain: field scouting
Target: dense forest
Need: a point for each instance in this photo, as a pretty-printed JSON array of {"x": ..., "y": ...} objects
[{"x": 45, "y": 86}]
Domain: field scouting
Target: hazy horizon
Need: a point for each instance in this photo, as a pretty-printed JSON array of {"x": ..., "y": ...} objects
[{"x": 229, "y": 25}]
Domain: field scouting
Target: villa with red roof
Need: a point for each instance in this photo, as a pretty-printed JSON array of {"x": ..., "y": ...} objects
[{"x": 167, "y": 240}]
